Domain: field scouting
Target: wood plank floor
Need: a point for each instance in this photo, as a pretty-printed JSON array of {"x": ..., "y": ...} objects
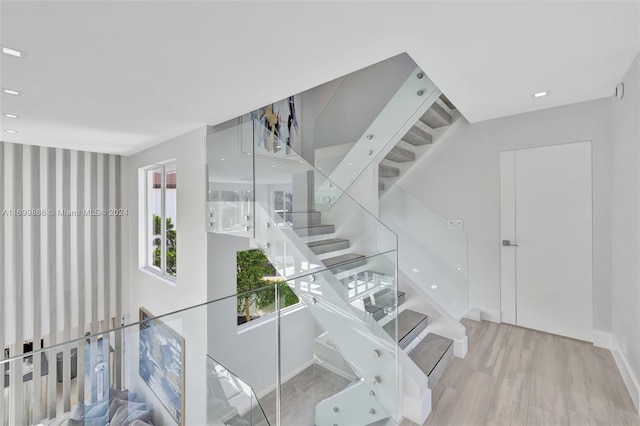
[{"x": 514, "y": 376}]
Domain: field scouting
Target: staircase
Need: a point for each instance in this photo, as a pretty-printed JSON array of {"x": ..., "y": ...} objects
[
  {"x": 373, "y": 292},
  {"x": 417, "y": 141},
  {"x": 344, "y": 268}
]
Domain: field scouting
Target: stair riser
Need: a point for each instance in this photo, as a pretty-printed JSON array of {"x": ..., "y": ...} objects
[
  {"x": 328, "y": 248},
  {"x": 406, "y": 340},
  {"x": 301, "y": 220},
  {"x": 447, "y": 102},
  {"x": 316, "y": 230},
  {"x": 402, "y": 297},
  {"x": 416, "y": 140},
  {"x": 438, "y": 371},
  {"x": 388, "y": 171},
  {"x": 436, "y": 117}
]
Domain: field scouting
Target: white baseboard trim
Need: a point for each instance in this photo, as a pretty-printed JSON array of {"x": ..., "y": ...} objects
[
  {"x": 602, "y": 339},
  {"x": 492, "y": 315},
  {"x": 630, "y": 380},
  {"x": 474, "y": 314},
  {"x": 477, "y": 314},
  {"x": 286, "y": 378}
]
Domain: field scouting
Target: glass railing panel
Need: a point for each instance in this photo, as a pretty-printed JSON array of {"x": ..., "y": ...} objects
[
  {"x": 353, "y": 378},
  {"x": 297, "y": 237},
  {"x": 431, "y": 253},
  {"x": 229, "y": 207},
  {"x": 158, "y": 377},
  {"x": 229, "y": 399},
  {"x": 367, "y": 111},
  {"x": 246, "y": 357},
  {"x": 291, "y": 366}
]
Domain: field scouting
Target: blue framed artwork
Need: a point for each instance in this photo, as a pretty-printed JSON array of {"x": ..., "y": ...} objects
[{"x": 161, "y": 363}]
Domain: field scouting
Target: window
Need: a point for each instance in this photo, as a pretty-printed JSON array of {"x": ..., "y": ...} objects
[{"x": 160, "y": 219}]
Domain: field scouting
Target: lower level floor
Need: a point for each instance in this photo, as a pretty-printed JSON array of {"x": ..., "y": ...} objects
[{"x": 514, "y": 376}]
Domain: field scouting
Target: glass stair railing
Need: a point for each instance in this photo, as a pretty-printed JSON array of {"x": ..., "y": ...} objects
[
  {"x": 355, "y": 130},
  {"x": 197, "y": 366},
  {"x": 341, "y": 264},
  {"x": 432, "y": 253},
  {"x": 231, "y": 401}
]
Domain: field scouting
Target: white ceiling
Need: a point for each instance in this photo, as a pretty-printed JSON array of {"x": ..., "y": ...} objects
[{"x": 121, "y": 76}]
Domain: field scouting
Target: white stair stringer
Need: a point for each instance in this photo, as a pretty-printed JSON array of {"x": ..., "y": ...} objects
[
  {"x": 365, "y": 345},
  {"x": 346, "y": 406}
]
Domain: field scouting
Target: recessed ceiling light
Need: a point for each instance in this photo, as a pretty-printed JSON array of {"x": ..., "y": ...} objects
[
  {"x": 6, "y": 114},
  {"x": 11, "y": 92},
  {"x": 541, "y": 94},
  {"x": 222, "y": 159},
  {"x": 13, "y": 132},
  {"x": 350, "y": 164},
  {"x": 12, "y": 52}
]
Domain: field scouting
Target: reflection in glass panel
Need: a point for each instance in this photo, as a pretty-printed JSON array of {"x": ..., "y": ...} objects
[{"x": 283, "y": 207}]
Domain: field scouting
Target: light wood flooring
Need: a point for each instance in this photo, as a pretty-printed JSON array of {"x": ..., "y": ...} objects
[{"x": 519, "y": 377}]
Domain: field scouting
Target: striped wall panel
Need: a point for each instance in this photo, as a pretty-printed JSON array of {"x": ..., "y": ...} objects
[{"x": 60, "y": 271}]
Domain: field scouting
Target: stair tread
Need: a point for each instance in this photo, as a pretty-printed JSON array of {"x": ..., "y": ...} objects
[
  {"x": 430, "y": 351},
  {"x": 407, "y": 321},
  {"x": 327, "y": 241},
  {"x": 419, "y": 134},
  {"x": 400, "y": 155},
  {"x": 436, "y": 117},
  {"x": 342, "y": 259},
  {"x": 320, "y": 225}
]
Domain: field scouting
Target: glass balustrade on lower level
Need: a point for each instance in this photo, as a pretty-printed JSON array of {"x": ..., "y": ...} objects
[{"x": 289, "y": 365}]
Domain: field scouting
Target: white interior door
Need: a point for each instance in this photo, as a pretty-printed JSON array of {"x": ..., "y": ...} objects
[{"x": 547, "y": 277}]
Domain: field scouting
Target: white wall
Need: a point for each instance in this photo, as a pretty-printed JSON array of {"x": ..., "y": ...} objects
[
  {"x": 159, "y": 296},
  {"x": 250, "y": 351},
  {"x": 626, "y": 231},
  {"x": 459, "y": 178}
]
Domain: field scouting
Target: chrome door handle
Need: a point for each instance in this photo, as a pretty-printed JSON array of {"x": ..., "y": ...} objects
[{"x": 507, "y": 243}]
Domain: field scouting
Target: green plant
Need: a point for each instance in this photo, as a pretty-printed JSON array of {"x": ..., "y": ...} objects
[
  {"x": 171, "y": 240},
  {"x": 253, "y": 289}
]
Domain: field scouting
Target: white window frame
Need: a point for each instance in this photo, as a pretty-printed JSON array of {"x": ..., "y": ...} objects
[{"x": 145, "y": 215}]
